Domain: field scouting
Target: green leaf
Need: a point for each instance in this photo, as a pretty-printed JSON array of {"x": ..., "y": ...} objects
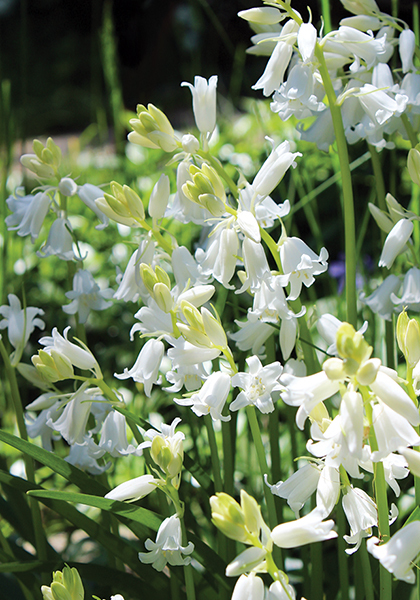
[
  {"x": 135, "y": 513},
  {"x": 85, "y": 482},
  {"x": 415, "y": 516}
]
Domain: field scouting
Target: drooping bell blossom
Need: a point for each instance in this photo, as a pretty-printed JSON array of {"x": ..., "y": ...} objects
[
  {"x": 211, "y": 398},
  {"x": 257, "y": 385},
  {"x": 20, "y": 323},
  {"x": 185, "y": 354},
  {"x": 392, "y": 394},
  {"x": 191, "y": 377},
  {"x": 86, "y": 296},
  {"x": 59, "y": 242},
  {"x": 307, "y": 392},
  {"x": 146, "y": 368},
  {"x": 204, "y": 102},
  {"x": 114, "y": 435},
  {"x": 300, "y": 264},
  {"x": 168, "y": 546},
  {"x": 220, "y": 257},
  {"x": 256, "y": 266},
  {"x": 361, "y": 513},
  {"x": 392, "y": 431},
  {"x": 80, "y": 357},
  {"x": 88, "y": 193},
  {"x": 274, "y": 168},
  {"x": 299, "y": 487},
  {"x": 249, "y": 587},
  {"x": 279, "y": 60},
  {"x": 71, "y": 424},
  {"x": 134, "y": 489},
  {"x": 252, "y": 335},
  {"x": 413, "y": 459},
  {"x": 364, "y": 47},
  {"x": 29, "y": 213},
  {"x": 400, "y": 552},
  {"x": 407, "y": 45},
  {"x": 251, "y": 559},
  {"x": 306, "y": 530},
  {"x": 84, "y": 456},
  {"x": 395, "y": 242},
  {"x": 281, "y": 590},
  {"x": 50, "y": 407},
  {"x": 328, "y": 490},
  {"x": 381, "y": 300},
  {"x": 410, "y": 297}
]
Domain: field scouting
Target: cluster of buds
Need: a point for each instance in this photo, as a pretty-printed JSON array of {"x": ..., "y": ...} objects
[
  {"x": 158, "y": 285},
  {"x": 66, "y": 585},
  {"x": 206, "y": 189},
  {"x": 122, "y": 205},
  {"x": 45, "y": 161},
  {"x": 152, "y": 129}
]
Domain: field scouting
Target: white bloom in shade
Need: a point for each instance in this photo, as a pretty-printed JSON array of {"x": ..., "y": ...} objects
[
  {"x": 167, "y": 548},
  {"x": 407, "y": 44},
  {"x": 392, "y": 394},
  {"x": 362, "y": 515},
  {"x": 29, "y": 213},
  {"x": 395, "y": 242},
  {"x": 73, "y": 420},
  {"x": 117, "y": 597},
  {"x": 20, "y": 322},
  {"x": 381, "y": 300},
  {"x": 83, "y": 457},
  {"x": 134, "y": 489},
  {"x": 306, "y": 530},
  {"x": 257, "y": 385},
  {"x": 82, "y": 358},
  {"x": 204, "y": 102},
  {"x": 248, "y": 587},
  {"x": 300, "y": 264},
  {"x": 399, "y": 553},
  {"x": 410, "y": 297},
  {"x": 299, "y": 487},
  {"x": 59, "y": 242},
  {"x": 211, "y": 398},
  {"x": 146, "y": 368},
  {"x": 114, "y": 435},
  {"x": 274, "y": 168},
  {"x": 86, "y": 295},
  {"x": 88, "y": 193}
]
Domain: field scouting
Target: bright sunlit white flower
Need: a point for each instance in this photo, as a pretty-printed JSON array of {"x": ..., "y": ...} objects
[
  {"x": 362, "y": 515},
  {"x": 134, "y": 489},
  {"x": 257, "y": 385},
  {"x": 399, "y": 553},
  {"x": 274, "y": 168},
  {"x": 146, "y": 368},
  {"x": 168, "y": 546},
  {"x": 204, "y": 102},
  {"x": 395, "y": 242},
  {"x": 211, "y": 398},
  {"x": 307, "y": 530}
]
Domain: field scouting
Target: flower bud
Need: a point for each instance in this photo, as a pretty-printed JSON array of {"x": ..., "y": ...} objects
[
  {"x": 67, "y": 186},
  {"x": 334, "y": 369},
  {"x": 252, "y": 513},
  {"x": 408, "y": 338},
  {"x": 167, "y": 455},
  {"x": 66, "y": 585},
  {"x": 366, "y": 374},
  {"x": 190, "y": 144},
  {"x": 228, "y": 516},
  {"x": 352, "y": 347},
  {"x": 53, "y": 366},
  {"x": 162, "y": 297},
  {"x": 206, "y": 189},
  {"x": 413, "y": 164},
  {"x": 159, "y": 198},
  {"x": 213, "y": 329},
  {"x": 123, "y": 205},
  {"x": 152, "y": 129}
]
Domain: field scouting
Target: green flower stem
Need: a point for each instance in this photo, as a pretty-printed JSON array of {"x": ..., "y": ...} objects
[
  {"x": 412, "y": 136},
  {"x": 382, "y": 505},
  {"x": 366, "y": 571},
  {"x": 343, "y": 565},
  {"x": 214, "y": 454},
  {"x": 262, "y": 462},
  {"x": 347, "y": 189},
  {"x": 40, "y": 541},
  {"x": 273, "y": 432},
  {"x": 326, "y": 14}
]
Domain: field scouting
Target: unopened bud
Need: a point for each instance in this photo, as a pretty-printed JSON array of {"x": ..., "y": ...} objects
[{"x": 413, "y": 164}]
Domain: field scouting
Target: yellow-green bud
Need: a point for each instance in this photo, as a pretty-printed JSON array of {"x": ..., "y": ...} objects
[
  {"x": 162, "y": 296},
  {"x": 168, "y": 458},
  {"x": 122, "y": 205},
  {"x": 213, "y": 329},
  {"x": 413, "y": 164},
  {"x": 66, "y": 585},
  {"x": 162, "y": 276},
  {"x": 228, "y": 516},
  {"x": 192, "y": 315},
  {"x": 252, "y": 513},
  {"x": 206, "y": 189},
  {"x": 408, "y": 338},
  {"x": 53, "y": 366},
  {"x": 152, "y": 129},
  {"x": 368, "y": 371},
  {"x": 148, "y": 276},
  {"x": 352, "y": 348},
  {"x": 334, "y": 369}
]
